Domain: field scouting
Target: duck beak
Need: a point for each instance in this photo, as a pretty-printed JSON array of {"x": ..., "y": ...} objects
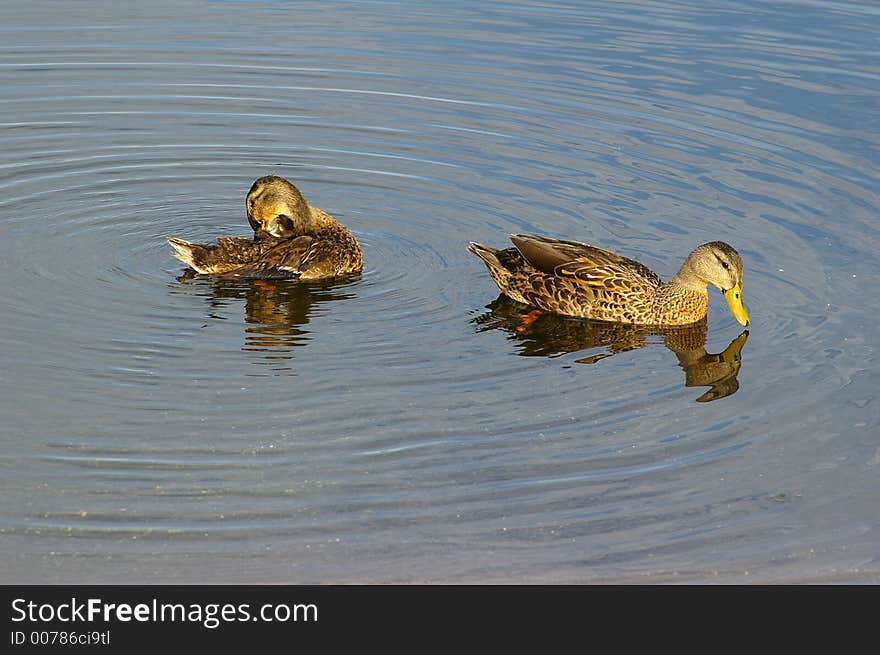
[
  {"x": 281, "y": 226},
  {"x": 734, "y": 301}
]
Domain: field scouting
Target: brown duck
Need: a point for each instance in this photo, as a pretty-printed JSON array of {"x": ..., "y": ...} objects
[
  {"x": 292, "y": 239},
  {"x": 577, "y": 279}
]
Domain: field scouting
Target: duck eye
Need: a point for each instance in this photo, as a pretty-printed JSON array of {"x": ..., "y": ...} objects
[{"x": 725, "y": 265}]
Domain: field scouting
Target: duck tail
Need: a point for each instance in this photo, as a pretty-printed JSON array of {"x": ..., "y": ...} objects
[
  {"x": 506, "y": 267},
  {"x": 500, "y": 264},
  {"x": 487, "y": 254},
  {"x": 191, "y": 254}
]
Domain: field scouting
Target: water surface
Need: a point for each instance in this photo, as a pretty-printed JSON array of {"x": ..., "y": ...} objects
[{"x": 403, "y": 425}]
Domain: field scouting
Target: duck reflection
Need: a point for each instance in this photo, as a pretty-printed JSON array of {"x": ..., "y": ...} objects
[
  {"x": 551, "y": 335},
  {"x": 276, "y": 311}
]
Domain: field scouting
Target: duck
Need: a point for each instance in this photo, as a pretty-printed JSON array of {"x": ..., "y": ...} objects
[
  {"x": 582, "y": 280},
  {"x": 292, "y": 239}
]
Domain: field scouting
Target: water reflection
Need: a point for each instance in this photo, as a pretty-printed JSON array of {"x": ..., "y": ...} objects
[
  {"x": 276, "y": 311},
  {"x": 550, "y": 335}
]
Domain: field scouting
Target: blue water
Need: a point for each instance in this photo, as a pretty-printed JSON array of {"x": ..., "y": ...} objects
[{"x": 398, "y": 427}]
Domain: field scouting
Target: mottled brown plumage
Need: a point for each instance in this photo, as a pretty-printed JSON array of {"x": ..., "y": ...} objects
[
  {"x": 292, "y": 239},
  {"x": 578, "y": 279}
]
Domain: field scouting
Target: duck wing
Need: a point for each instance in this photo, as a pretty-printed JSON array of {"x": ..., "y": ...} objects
[
  {"x": 305, "y": 257},
  {"x": 583, "y": 263},
  {"x": 322, "y": 258},
  {"x": 281, "y": 260},
  {"x": 227, "y": 255}
]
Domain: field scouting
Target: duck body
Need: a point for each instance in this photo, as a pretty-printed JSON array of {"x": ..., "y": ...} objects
[
  {"x": 582, "y": 280},
  {"x": 292, "y": 239}
]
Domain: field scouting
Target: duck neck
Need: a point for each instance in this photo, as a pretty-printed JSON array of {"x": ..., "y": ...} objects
[
  {"x": 321, "y": 222},
  {"x": 675, "y": 293},
  {"x": 687, "y": 279},
  {"x": 683, "y": 295}
]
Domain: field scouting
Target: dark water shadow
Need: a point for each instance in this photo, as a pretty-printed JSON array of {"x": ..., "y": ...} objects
[
  {"x": 541, "y": 334},
  {"x": 276, "y": 312}
]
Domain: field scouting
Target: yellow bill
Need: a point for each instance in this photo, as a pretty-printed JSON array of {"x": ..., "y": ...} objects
[{"x": 735, "y": 302}]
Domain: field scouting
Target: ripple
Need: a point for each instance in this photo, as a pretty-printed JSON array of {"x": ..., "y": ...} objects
[{"x": 379, "y": 409}]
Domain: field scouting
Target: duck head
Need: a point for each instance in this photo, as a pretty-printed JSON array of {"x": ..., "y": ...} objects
[
  {"x": 276, "y": 207},
  {"x": 718, "y": 264}
]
